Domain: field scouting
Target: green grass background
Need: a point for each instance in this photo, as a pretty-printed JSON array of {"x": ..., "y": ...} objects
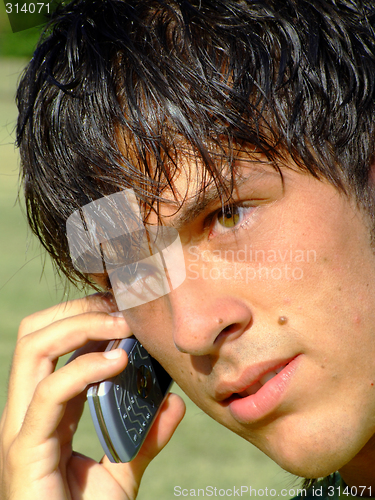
[{"x": 202, "y": 453}]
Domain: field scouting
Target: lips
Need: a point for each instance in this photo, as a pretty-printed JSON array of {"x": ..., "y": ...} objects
[
  {"x": 259, "y": 390},
  {"x": 252, "y": 389}
]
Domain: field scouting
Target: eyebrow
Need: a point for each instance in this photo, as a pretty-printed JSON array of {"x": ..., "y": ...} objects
[{"x": 194, "y": 207}]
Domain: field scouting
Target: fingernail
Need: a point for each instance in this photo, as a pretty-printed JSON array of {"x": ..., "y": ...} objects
[{"x": 114, "y": 354}]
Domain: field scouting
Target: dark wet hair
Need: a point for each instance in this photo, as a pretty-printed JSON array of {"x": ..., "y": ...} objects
[{"x": 118, "y": 90}]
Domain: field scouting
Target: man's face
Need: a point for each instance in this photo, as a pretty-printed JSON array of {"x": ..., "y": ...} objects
[{"x": 272, "y": 331}]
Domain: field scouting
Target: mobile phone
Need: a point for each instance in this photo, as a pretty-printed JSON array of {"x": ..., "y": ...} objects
[{"x": 124, "y": 407}]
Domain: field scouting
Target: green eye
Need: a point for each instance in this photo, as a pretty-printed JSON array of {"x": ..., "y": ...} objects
[{"x": 229, "y": 217}]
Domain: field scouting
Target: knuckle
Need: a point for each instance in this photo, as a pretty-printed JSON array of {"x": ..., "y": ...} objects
[
  {"x": 23, "y": 345},
  {"x": 44, "y": 391},
  {"x": 2, "y": 421},
  {"x": 32, "y": 323},
  {"x": 11, "y": 457},
  {"x": 25, "y": 327}
]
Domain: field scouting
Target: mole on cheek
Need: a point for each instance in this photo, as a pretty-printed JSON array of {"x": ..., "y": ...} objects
[{"x": 283, "y": 320}]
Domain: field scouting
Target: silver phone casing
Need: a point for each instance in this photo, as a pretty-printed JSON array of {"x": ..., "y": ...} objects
[{"x": 122, "y": 408}]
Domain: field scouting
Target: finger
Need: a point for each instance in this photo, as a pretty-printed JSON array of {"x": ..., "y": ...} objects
[
  {"x": 72, "y": 416},
  {"x": 101, "y": 302},
  {"x": 3, "y": 418},
  {"x": 169, "y": 417},
  {"x": 68, "y": 334},
  {"x": 47, "y": 408},
  {"x": 129, "y": 475},
  {"x": 36, "y": 355}
]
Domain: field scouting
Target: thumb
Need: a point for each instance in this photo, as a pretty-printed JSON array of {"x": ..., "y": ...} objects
[{"x": 170, "y": 415}]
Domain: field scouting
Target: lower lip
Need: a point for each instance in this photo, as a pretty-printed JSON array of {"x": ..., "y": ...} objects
[{"x": 266, "y": 399}]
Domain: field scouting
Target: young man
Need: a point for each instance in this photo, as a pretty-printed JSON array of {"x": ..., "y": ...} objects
[{"x": 246, "y": 126}]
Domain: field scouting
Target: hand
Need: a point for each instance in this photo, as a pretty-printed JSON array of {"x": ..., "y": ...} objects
[{"x": 44, "y": 407}]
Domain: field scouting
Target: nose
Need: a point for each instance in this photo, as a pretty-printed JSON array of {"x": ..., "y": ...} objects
[{"x": 205, "y": 319}]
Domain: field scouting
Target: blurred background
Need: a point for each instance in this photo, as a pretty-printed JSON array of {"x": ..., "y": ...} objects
[{"x": 202, "y": 453}]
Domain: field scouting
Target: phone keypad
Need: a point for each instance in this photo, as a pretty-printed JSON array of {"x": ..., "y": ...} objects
[
  {"x": 119, "y": 394},
  {"x": 135, "y": 409}
]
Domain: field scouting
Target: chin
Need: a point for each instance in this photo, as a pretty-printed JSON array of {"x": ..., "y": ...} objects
[
  {"x": 308, "y": 451},
  {"x": 311, "y": 465}
]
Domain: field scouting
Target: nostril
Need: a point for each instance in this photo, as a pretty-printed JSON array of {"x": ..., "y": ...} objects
[{"x": 232, "y": 328}]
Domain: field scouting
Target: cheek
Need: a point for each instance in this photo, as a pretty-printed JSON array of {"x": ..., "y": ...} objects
[
  {"x": 155, "y": 333},
  {"x": 326, "y": 271},
  {"x": 150, "y": 324}
]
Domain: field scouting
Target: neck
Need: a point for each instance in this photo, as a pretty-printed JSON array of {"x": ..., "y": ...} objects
[{"x": 360, "y": 471}]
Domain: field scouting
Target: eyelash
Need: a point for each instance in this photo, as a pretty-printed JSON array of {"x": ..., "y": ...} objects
[{"x": 229, "y": 209}]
